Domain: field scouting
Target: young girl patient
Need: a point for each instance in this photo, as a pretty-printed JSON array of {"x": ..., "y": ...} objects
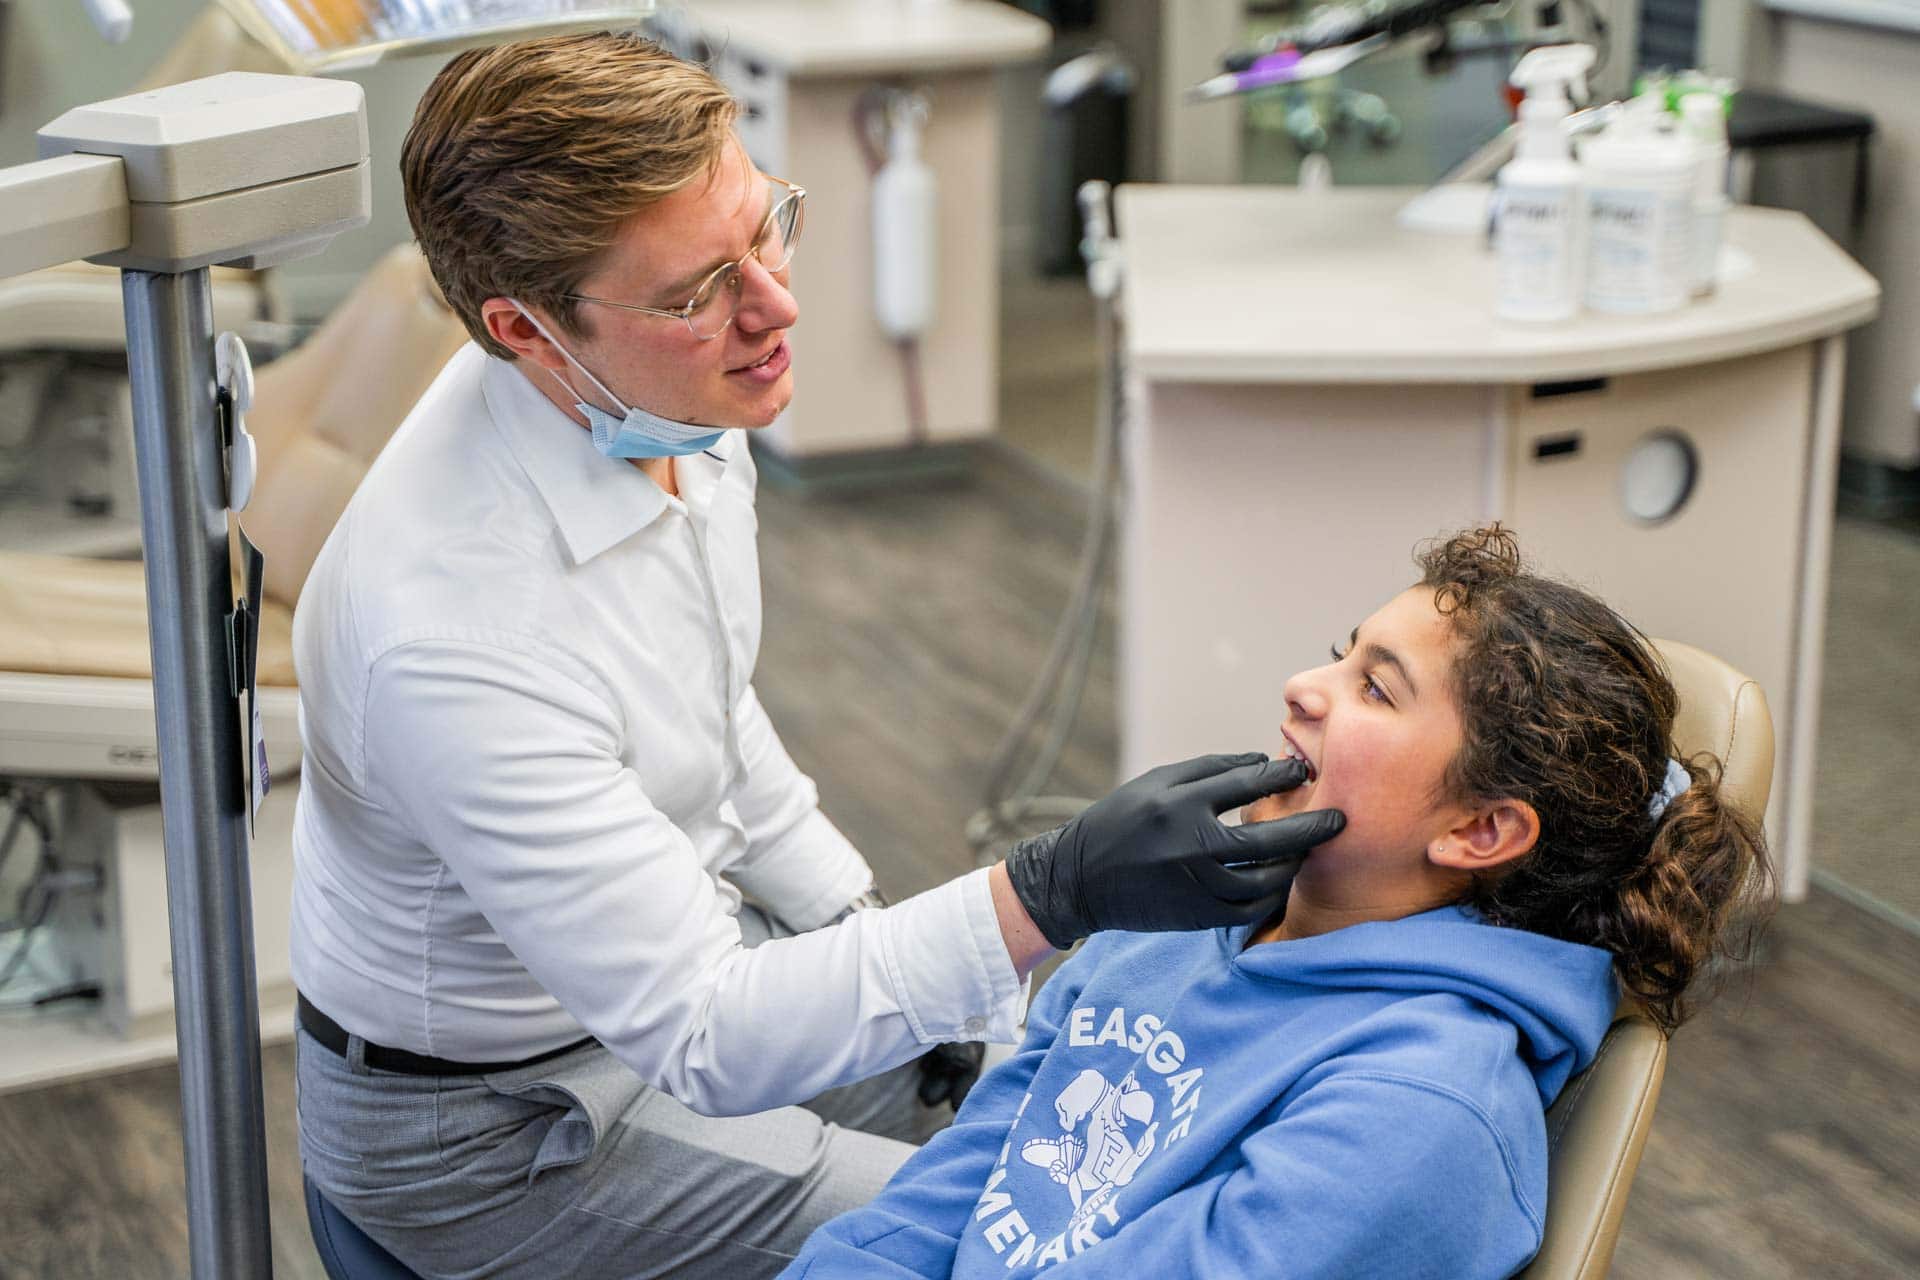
[{"x": 1358, "y": 1087}]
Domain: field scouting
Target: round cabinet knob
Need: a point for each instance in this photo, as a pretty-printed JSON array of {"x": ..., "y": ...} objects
[{"x": 1658, "y": 476}]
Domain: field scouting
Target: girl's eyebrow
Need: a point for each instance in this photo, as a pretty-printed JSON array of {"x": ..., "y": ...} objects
[
  {"x": 1379, "y": 653},
  {"x": 1386, "y": 657}
]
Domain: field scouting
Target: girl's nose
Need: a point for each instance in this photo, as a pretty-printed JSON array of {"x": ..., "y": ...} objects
[{"x": 1306, "y": 693}]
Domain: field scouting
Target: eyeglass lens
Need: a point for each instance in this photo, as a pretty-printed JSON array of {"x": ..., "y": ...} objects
[{"x": 713, "y": 310}]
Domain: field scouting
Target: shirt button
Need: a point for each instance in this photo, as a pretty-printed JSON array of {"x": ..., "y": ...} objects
[{"x": 976, "y": 1026}]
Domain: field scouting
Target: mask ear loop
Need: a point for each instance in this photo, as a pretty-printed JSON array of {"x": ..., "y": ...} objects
[{"x": 622, "y": 410}]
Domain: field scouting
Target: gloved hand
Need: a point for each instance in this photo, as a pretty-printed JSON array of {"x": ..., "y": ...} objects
[
  {"x": 1154, "y": 854},
  {"x": 947, "y": 1071}
]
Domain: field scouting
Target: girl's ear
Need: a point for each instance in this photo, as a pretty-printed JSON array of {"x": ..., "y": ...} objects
[{"x": 1488, "y": 836}]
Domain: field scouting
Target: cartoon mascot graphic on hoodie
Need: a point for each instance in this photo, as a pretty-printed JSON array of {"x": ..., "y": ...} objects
[{"x": 1094, "y": 1165}]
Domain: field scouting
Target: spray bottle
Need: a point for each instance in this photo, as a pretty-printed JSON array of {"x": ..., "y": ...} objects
[{"x": 1541, "y": 210}]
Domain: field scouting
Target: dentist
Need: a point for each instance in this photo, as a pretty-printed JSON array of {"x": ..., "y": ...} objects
[{"x": 585, "y": 984}]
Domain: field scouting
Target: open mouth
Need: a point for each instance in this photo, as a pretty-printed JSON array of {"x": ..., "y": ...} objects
[{"x": 1292, "y": 751}]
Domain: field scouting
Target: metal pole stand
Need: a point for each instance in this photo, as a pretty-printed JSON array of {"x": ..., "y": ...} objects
[
  {"x": 251, "y": 170},
  {"x": 183, "y": 518}
]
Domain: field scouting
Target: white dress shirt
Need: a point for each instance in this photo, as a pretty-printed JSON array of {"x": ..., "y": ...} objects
[{"x": 537, "y": 778}]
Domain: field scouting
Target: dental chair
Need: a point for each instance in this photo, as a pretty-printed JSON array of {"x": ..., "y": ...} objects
[
  {"x": 66, "y": 435},
  {"x": 1598, "y": 1126},
  {"x": 76, "y": 692}
]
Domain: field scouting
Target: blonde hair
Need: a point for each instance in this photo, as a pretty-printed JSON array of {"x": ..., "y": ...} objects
[{"x": 524, "y": 160}]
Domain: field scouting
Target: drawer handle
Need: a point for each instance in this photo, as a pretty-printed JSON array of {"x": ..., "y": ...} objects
[{"x": 1571, "y": 387}]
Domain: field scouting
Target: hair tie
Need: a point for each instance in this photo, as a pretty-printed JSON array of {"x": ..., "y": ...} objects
[{"x": 1676, "y": 781}]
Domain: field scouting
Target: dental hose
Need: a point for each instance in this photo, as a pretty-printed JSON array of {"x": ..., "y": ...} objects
[{"x": 1014, "y": 809}]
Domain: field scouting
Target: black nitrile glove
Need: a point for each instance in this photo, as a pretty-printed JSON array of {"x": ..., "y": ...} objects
[
  {"x": 947, "y": 1072},
  {"x": 1154, "y": 855}
]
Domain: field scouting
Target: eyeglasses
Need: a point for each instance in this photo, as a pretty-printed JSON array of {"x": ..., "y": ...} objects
[{"x": 708, "y": 313}]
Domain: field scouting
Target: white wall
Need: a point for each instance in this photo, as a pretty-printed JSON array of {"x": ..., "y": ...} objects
[{"x": 1876, "y": 70}]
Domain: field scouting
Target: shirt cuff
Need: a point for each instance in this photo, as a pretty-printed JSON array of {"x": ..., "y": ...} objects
[{"x": 950, "y": 966}]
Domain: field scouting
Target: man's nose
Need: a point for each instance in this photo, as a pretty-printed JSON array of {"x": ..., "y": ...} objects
[{"x": 765, "y": 302}]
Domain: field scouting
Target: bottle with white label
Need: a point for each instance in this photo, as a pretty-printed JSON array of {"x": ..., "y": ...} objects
[
  {"x": 1538, "y": 237},
  {"x": 1703, "y": 118},
  {"x": 1639, "y": 178}
]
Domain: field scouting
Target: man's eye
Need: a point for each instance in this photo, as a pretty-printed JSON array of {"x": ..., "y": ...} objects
[
  {"x": 1371, "y": 688},
  {"x": 712, "y": 289},
  {"x": 1334, "y": 649}
]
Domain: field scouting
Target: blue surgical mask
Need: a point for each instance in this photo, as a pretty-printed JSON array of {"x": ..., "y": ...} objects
[{"x": 637, "y": 435}]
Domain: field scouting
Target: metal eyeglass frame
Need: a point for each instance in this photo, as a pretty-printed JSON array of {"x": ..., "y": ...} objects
[{"x": 718, "y": 280}]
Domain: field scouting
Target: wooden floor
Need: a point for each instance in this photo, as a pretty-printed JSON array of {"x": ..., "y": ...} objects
[{"x": 901, "y": 629}]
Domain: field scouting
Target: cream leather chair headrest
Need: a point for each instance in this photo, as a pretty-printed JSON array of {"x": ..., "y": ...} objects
[
  {"x": 1598, "y": 1126},
  {"x": 322, "y": 413},
  {"x": 320, "y": 416},
  {"x": 1724, "y": 712}
]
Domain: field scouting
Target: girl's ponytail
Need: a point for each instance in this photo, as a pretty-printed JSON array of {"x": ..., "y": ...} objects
[{"x": 1679, "y": 908}]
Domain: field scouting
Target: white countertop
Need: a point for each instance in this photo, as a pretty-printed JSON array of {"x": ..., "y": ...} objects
[
  {"x": 1270, "y": 284},
  {"x": 869, "y": 37}
]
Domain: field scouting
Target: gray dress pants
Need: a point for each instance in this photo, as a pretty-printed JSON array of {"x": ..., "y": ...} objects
[{"x": 573, "y": 1167}]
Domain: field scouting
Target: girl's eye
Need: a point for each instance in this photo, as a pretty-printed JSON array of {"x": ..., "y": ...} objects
[{"x": 1369, "y": 687}]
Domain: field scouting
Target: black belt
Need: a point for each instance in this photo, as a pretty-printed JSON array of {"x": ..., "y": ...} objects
[{"x": 380, "y": 1058}]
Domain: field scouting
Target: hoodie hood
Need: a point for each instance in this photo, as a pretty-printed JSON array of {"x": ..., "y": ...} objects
[{"x": 1560, "y": 995}]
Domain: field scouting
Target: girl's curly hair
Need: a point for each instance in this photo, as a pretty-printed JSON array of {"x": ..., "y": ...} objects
[{"x": 1568, "y": 707}]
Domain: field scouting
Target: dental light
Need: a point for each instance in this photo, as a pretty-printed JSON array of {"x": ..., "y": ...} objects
[{"x": 318, "y": 36}]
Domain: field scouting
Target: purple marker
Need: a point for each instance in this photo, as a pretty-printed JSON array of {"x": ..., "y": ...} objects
[
  {"x": 1288, "y": 66},
  {"x": 1269, "y": 69}
]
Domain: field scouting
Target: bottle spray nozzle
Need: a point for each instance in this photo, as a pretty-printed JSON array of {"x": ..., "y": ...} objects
[{"x": 1557, "y": 70}]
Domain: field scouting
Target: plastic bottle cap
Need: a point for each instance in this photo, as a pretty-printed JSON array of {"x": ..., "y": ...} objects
[{"x": 1704, "y": 119}]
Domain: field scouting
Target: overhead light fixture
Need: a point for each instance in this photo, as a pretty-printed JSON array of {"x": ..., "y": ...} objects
[{"x": 319, "y": 36}]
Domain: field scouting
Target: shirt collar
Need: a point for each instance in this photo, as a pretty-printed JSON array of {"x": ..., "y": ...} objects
[{"x": 596, "y": 501}]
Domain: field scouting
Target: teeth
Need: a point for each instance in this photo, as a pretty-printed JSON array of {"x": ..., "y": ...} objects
[{"x": 1288, "y": 750}]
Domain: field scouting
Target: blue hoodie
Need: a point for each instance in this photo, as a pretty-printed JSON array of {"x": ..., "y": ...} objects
[{"x": 1369, "y": 1102}]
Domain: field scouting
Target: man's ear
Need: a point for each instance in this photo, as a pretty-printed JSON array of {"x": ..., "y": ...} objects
[
  {"x": 1487, "y": 836},
  {"x": 508, "y": 326}
]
